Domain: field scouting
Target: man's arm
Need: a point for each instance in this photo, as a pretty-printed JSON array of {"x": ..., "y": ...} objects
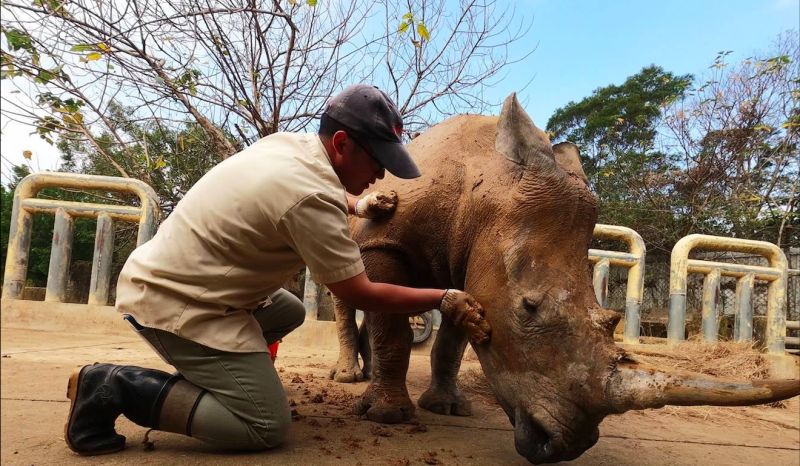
[
  {"x": 368, "y": 296},
  {"x": 458, "y": 306}
]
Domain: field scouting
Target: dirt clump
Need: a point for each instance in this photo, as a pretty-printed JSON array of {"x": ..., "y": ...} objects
[
  {"x": 380, "y": 431},
  {"x": 430, "y": 457},
  {"x": 417, "y": 428},
  {"x": 336, "y": 422},
  {"x": 297, "y": 379},
  {"x": 318, "y": 398},
  {"x": 313, "y": 423},
  {"x": 352, "y": 443}
]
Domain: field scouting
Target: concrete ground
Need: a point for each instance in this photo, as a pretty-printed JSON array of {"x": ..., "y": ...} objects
[{"x": 35, "y": 366}]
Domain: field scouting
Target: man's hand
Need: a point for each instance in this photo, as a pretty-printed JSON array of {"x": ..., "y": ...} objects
[
  {"x": 466, "y": 312},
  {"x": 377, "y": 205}
]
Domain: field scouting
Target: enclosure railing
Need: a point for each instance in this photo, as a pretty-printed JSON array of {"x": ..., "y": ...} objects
[
  {"x": 633, "y": 260},
  {"x": 775, "y": 274},
  {"x": 793, "y": 324},
  {"x": 26, "y": 204}
]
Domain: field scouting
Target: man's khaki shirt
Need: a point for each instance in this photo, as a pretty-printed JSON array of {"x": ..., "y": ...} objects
[{"x": 239, "y": 233}]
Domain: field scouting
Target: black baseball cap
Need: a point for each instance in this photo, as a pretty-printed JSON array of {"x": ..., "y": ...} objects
[{"x": 376, "y": 123}]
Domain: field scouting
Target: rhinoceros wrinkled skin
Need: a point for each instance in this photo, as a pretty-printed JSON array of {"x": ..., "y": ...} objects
[{"x": 505, "y": 216}]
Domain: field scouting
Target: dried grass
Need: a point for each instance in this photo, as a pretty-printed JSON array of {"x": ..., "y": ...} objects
[{"x": 727, "y": 359}]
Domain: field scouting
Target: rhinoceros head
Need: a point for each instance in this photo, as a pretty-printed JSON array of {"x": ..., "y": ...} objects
[{"x": 552, "y": 361}]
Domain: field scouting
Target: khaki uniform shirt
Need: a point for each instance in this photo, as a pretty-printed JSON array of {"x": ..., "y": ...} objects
[{"x": 242, "y": 231}]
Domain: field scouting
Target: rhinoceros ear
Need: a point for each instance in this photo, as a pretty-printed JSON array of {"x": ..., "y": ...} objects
[
  {"x": 568, "y": 157},
  {"x": 519, "y": 140}
]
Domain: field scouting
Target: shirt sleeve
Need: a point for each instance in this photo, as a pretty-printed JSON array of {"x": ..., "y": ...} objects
[{"x": 316, "y": 228}]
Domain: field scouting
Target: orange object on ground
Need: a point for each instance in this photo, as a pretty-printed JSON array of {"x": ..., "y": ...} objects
[{"x": 273, "y": 350}]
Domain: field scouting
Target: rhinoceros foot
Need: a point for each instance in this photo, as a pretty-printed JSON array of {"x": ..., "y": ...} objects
[
  {"x": 385, "y": 406},
  {"x": 347, "y": 373},
  {"x": 447, "y": 402}
]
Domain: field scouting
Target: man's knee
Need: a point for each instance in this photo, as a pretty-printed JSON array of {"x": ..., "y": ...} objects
[
  {"x": 274, "y": 430},
  {"x": 292, "y": 306}
]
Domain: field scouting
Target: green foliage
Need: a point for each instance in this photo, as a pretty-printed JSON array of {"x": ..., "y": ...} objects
[
  {"x": 620, "y": 117},
  {"x": 616, "y": 128},
  {"x": 669, "y": 160}
]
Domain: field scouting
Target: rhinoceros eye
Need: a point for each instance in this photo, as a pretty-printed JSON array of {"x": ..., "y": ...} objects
[{"x": 530, "y": 304}]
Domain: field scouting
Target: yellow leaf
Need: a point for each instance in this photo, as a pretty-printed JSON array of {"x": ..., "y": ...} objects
[
  {"x": 103, "y": 47},
  {"x": 27, "y": 154},
  {"x": 403, "y": 27},
  {"x": 292, "y": 2},
  {"x": 160, "y": 163},
  {"x": 423, "y": 31},
  {"x": 620, "y": 121},
  {"x": 94, "y": 56}
]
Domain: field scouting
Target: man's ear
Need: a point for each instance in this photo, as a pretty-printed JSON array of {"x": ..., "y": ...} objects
[{"x": 339, "y": 140}]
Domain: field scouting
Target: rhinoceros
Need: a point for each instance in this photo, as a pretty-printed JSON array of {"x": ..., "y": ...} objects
[{"x": 502, "y": 214}]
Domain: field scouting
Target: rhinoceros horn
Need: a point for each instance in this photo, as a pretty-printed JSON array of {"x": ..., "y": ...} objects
[
  {"x": 638, "y": 386},
  {"x": 519, "y": 140}
]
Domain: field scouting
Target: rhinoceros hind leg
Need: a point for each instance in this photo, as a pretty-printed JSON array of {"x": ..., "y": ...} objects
[
  {"x": 443, "y": 396},
  {"x": 346, "y": 369},
  {"x": 386, "y": 398}
]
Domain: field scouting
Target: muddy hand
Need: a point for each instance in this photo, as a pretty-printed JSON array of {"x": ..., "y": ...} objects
[
  {"x": 377, "y": 205},
  {"x": 465, "y": 312}
]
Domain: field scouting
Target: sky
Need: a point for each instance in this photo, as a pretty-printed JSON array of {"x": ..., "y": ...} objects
[{"x": 581, "y": 45}]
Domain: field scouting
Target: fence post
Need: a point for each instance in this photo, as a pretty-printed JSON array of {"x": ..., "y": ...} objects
[
  {"x": 60, "y": 255},
  {"x": 600, "y": 281},
  {"x": 101, "y": 263},
  {"x": 311, "y": 297},
  {"x": 710, "y": 302}
]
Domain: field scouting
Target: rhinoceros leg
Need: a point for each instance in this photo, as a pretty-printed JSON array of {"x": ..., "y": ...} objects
[
  {"x": 443, "y": 396},
  {"x": 346, "y": 369},
  {"x": 386, "y": 398}
]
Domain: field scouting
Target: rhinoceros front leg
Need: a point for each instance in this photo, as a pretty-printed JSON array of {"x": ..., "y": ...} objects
[
  {"x": 443, "y": 396},
  {"x": 386, "y": 398},
  {"x": 347, "y": 369}
]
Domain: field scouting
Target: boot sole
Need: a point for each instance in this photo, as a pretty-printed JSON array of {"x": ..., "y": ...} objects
[{"x": 72, "y": 394}]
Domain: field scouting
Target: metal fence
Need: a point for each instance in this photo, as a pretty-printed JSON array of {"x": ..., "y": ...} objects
[{"x": 655, "y": 300}]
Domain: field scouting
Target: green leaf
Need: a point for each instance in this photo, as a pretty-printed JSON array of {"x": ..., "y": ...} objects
[
  {"x": 408, "y": 17},
  {"x": 45, "y": 77},
  {"x": 311, "y": 3},
  {"x": 19, "y": 40},
  {"x": 82, "y": 48},
  {"x": 423, "y": 31},
  {"x": 403, "y": 27}
]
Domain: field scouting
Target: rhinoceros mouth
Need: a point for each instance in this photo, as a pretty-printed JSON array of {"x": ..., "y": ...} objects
[{"x": 533, "y": 441}]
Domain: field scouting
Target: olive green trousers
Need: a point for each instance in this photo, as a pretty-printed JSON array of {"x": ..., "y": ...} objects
[{"x": 245, "y": 407}]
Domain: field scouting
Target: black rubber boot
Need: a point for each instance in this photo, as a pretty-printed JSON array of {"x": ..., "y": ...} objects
[{"x": 101, "y": 392}]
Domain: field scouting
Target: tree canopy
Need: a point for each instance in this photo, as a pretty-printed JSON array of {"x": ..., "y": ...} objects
[{"x": 672, "y": 155}]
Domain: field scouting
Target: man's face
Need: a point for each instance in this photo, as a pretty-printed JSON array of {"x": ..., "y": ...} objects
[{"x": 356, "y": 168}]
